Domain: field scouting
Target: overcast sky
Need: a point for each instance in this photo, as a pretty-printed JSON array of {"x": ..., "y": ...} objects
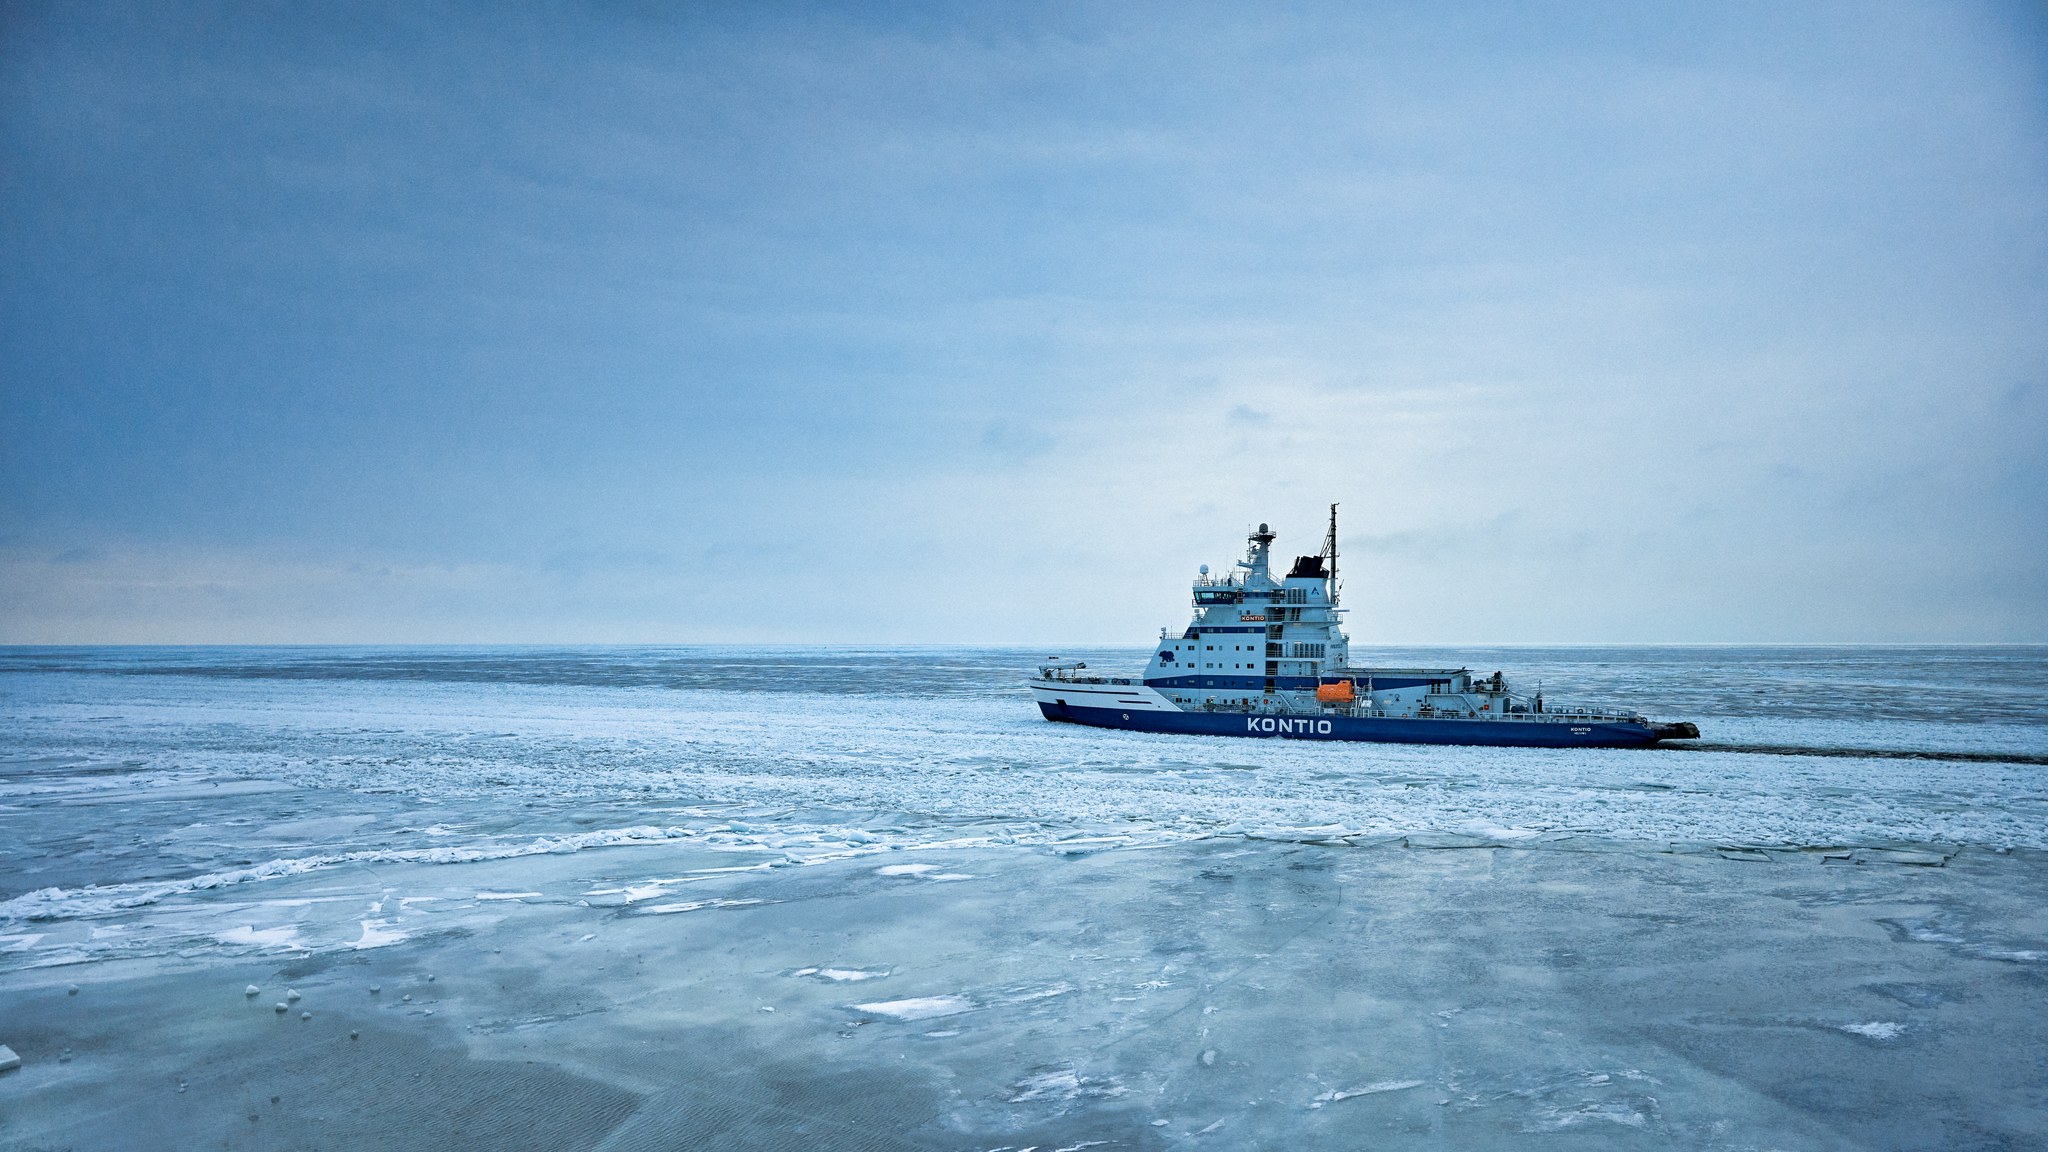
[{"x": 988, "y": 323}]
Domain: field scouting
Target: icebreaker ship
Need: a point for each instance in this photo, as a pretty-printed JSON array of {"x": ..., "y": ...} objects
[{"x": 1266, "y": 657}]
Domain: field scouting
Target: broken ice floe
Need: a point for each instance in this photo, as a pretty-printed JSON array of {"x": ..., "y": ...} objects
[
  {"x": 843, "y": 975},
  {"x": 1875, "y": 1030},
  {"x": 378, "y": 934},
  {"x": 1027, "y": 995},
  {"x": 1929, "y": 930},
  {"x": 62, "y": 903},
  {"x": 694, "y": 905},
  {"x": 1062, "y": 1085},
  {"x": 918, "y": 1008},
  {"x": 283, "y": 936},
  {"x": 1374, "y": 1089},
  {"x": 1571, "y": 1099},
  {"x": 1629, "y": 1113},
  {"x": 921, "y": 871}
]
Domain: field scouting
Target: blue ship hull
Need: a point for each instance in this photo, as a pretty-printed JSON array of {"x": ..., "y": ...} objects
[{"x": 1375, "y": 729}]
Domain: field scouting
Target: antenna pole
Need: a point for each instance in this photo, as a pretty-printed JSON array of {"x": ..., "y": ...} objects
[{"x": 1330, "y": 548}]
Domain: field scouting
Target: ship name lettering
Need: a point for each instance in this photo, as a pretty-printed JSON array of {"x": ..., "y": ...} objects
[{"x": 1286, "y": 727}]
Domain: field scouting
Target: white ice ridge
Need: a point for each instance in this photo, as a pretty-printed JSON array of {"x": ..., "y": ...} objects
[
  {"x": 693, "y": 905},
  {"x": 98, "y": 900},
  {"x": 1876, "y": 1029},
  {"x": 919, "y": 1008},
  {"x": 1333, "y": 1096},
  {"x": 841, "y": 975},
  {"x": 1062, "y": 1084},
  {"x": 56, "y": 903}
]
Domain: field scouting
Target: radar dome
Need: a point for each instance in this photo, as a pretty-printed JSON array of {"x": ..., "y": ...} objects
[
  {"x": 1205, "y": 569},
  {"x": 1263, "y": 529}
]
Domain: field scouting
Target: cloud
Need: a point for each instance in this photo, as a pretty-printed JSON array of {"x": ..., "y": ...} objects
[{"x": 1666, "y": 325}]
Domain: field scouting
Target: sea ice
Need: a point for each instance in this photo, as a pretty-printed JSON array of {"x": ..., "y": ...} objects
[
  {"x": 377, "y": 934},
  {"x": 283, "y": 936},
  {"x": 1099, "y": 858},
  {"x": 1062, "y": 1084},
  {"x": 1373, "y": 1089},
  {"x": 918, "y": 1008},
  {"x": 694, "y": 905},
  {"x": 847, "y": 975}
]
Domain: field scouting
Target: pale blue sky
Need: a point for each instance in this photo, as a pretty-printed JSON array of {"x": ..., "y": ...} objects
[{"x": 988, "y": 323}]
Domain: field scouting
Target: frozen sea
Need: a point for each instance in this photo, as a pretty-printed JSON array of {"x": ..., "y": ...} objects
[{"x": 810, "y": 897}]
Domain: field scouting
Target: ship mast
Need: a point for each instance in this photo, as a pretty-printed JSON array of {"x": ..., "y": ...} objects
[{"x": 1330, "y": 551}]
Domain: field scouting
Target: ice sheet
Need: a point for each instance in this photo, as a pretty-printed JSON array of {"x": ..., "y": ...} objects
[{"x": 241, "y": 769}]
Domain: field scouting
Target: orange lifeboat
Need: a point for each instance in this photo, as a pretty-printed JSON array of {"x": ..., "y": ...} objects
[{"x": 1339, "y": 693}]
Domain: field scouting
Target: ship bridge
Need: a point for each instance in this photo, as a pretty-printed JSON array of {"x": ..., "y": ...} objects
[{"x": 1253, "y": 635}]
